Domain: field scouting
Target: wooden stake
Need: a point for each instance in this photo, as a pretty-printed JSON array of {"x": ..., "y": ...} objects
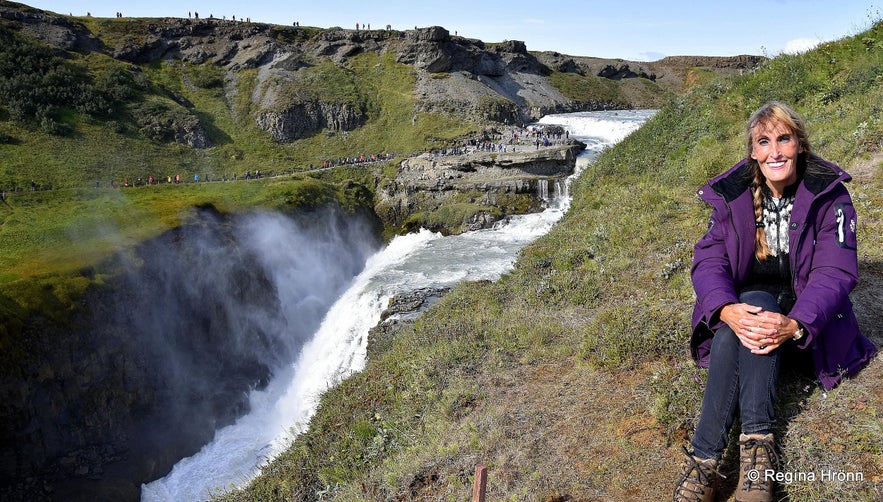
[{"x": 480, "y": 485}]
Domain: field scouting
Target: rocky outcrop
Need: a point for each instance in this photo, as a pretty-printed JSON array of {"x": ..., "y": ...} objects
[
  {"x": 401, "y": 311},
  {"x": 621, "y": 71},
  {"x": 305, "y": 119},
  {"x": 736, "y": 63},
  {"x": 428, "y": 49},
  {"x": 499, "y": 83},
  {"x": 56, "y": 31},
  {"x": 486, "y": 185},
  {"x": 235, "y": 45},
  {"x": 436, "y": 51},
  {"x": 164, "y": 123},
  {"x": 442, "y": 172},
  {"x": 410, "y": 304}
]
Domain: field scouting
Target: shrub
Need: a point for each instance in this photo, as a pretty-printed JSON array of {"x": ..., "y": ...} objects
[
  {"x": 161, "y": 122},
  {"x": 35, "y": 85}
]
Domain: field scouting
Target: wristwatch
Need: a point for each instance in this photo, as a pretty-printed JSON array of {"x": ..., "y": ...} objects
[{"x": 798, "y": 334}]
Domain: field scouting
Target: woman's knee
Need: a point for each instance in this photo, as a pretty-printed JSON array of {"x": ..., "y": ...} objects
[
  {"x": 725, "y": 341},
  {"x": 761, "y": 299}
]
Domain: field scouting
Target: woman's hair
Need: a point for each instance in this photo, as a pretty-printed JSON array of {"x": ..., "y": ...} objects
[{"x": 774, "y": 112}]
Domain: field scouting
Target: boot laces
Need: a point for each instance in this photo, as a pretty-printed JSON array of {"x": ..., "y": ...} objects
[
  {"x": 695, "y": 479},
  {"x": 759, "y": 455}
]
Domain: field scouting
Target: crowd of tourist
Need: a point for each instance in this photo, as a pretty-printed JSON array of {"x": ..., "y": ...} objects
[{"x": 510, "y": 139}]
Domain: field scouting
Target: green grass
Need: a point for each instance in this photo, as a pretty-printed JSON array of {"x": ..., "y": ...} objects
[
  {"x": 573, "y": 368},
  {"x": 56, "y": 231},
  {"x": 595, "y": 91},
  {"x": 588, "y": 89}
]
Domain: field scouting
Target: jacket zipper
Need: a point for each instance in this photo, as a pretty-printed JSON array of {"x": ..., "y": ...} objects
[{"x": 779, "y": 241}]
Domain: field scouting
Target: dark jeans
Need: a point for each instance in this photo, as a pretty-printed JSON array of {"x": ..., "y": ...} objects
[{"x": 737, "y": 379}]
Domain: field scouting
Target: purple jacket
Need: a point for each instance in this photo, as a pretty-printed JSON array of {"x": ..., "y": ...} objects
[{"x": 824, "y": 265}]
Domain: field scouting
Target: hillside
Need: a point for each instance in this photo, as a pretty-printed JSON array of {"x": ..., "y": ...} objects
[
  {"x": 96, "y": 103},
  {"x": 219, "y": 98},
  {"x": 591, "y": 395}
]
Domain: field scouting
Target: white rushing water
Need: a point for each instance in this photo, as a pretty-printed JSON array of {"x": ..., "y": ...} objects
[{"x": 338, "y": 348}]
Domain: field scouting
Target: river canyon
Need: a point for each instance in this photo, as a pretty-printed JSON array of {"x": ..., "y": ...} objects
[{"x": 208, "y": 348}]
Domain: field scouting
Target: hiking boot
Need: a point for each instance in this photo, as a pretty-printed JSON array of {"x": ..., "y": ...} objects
[
  {"x": 757, "y": 460},
  {"x": 698, "y": 479}
]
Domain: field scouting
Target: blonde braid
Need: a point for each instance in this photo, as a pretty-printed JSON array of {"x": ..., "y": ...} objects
[{"x": 761, "y": 248}]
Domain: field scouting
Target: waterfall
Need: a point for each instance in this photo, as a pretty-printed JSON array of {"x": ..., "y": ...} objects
[
  {"x": 337, "y": 349},
  {"x": 561, "y": 189},
  {"x": 543, "y": 190}
]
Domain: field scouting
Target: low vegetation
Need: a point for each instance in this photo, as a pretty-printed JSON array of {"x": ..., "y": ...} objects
[
  {"x": 37, "y": 87},
  {"x": 569, "y": 378},
  {"x": 134, "y": 141}
]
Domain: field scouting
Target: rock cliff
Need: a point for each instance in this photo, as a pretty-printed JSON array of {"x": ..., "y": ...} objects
[
  {"x": 163, "y": 351},
  {"x": 499, "y": 82},
  {"x": 472, "y": 187}
]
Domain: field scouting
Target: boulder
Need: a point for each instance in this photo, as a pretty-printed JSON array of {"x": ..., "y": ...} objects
[
  {"x": 622, "y": 71},
  {"x": 56, "y": 31},
  {"x": 161, "y": 122},
  {"x": 426, "y": 49}
]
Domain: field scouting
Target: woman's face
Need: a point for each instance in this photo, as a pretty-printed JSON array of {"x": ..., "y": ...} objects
[{"x": 775, "y": 147}]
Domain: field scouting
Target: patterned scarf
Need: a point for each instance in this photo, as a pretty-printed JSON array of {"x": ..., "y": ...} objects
[{"x": 776, "y": 217}]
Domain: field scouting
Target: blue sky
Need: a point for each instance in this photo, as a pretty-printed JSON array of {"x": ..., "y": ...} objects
[{"x": 633, "y": 30}]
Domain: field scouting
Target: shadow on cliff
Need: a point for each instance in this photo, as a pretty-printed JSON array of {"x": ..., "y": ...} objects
[{"x": 167, "y": 347}]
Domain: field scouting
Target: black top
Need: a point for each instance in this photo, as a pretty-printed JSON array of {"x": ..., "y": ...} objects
[{"x": 774, "y": 274}]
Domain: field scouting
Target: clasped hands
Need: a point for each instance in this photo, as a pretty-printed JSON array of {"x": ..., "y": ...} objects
[{"x": 760, "y": 331}]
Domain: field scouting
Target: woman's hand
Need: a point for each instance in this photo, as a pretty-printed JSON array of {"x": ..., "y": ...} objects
[{"x": 760, "y": 331}]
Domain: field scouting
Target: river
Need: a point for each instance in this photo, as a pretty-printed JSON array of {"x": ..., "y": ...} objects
[{"x": 409, "y": 262}]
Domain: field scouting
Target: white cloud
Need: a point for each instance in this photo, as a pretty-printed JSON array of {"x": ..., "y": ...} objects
[
  {"x": 650, "y": 56},
  {"x": 799, "y": 45}
]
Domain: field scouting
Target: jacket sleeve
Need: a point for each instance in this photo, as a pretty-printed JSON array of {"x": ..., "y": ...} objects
[
  {"x": 823, "y": 293},
  {"x": 712, "y": 272}
]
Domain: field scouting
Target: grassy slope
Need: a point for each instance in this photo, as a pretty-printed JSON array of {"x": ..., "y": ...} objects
[
  {"x": 40, "y": 230},
  {"x": 624, "y": 93},
  {"x": 569, "y": 378},
  {"x": 111, "y": 146},
  {"x": 100, "y": 150}
]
